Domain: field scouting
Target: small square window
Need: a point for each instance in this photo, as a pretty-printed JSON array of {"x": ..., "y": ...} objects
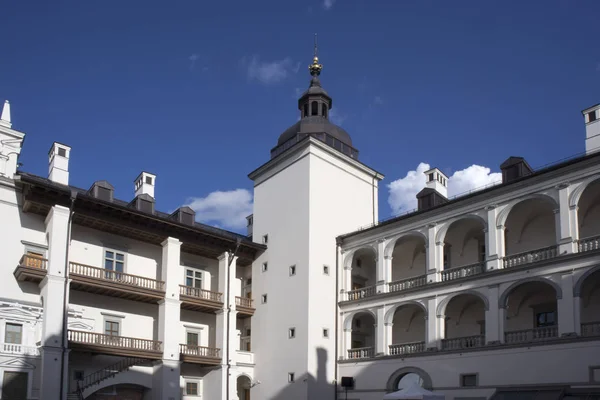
[
  {"x": 62, "y": 152},
  {"x": 325, "y": 333},
  {"x": 149, "y": 180},
  {"x": 325, "y": 270},
  {"x": 592, "y": 116},
  {"x": 290, "y": 377},
  {"x": 292, "y": 333},
  {"x": 191, "y": 388},
  {"x": 468, "y": 380},
  {"x": 249, "y": 281},
  {"x": 265, "y": 266},
  {"x": 263, "y": 298},
  {"x": 78, "y": 375},
  {"x": 292, "y": 270},
  {"x": 265, "y": 239}
]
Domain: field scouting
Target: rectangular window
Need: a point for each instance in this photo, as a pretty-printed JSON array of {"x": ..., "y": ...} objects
[
  {"x": 325, "y": 270},
  {"x": 265, "y": 266},
  {"x": 191, "y": 388},
  {"x": 292, "y": 270},
  {"x": 481, "y": 251},
  {"x": 543, "y": 319},
  {"x": 192, "y": 338},
  {"x": 592, "y": 116},
  {"x": 292, "y": 333},
  {"x": 13, "y": 334},
  {"x": 263, "y": 298},
  {"x": 14, "y": 385},
  {"x": 468, "y": 380},
  {"x": 114, "y": 261},
  {"x": 290, "y": 377},
  {"x": 78, "y": 375},
  {"x": 193, "y": 278},
  {"x": 111, "y": 328},
  {"x": 265, "y": 239},
  {"x": 325, "y": 333},
  {"x": 62, "y": 152}
]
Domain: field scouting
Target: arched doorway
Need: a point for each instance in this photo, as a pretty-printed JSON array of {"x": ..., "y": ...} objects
[
  {"x": 408, "y": 376},
  {"x": 243, "y": 387}
]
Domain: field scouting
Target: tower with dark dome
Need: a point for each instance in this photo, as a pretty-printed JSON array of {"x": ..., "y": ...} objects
[
  {"x": 311, "y": 190},
  {"x": 315, "y": 105}
]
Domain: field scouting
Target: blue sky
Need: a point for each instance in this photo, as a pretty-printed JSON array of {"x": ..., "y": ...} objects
[{"x": 197, "y": 92}]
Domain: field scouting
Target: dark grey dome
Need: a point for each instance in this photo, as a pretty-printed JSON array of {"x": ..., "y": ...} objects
[{"x": 315, "y": 124}]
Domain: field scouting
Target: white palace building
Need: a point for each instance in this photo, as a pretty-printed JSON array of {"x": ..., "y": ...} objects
[{"x": 490, "y": 295}]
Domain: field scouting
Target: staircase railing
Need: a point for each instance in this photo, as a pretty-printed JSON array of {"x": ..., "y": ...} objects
[{"x": 107, "y": 372}]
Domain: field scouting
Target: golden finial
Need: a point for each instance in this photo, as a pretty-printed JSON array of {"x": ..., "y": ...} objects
[{"x": 315, "y": 68}]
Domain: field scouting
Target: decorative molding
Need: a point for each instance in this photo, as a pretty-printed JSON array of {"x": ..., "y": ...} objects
[
  {"x": 19, "y": 363},
  {"x": 113, "y": 315}
]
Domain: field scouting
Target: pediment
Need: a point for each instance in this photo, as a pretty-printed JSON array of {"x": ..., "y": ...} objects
[
  {"x": 17, "y": 363},
  {"x": 18, "y": 312},
  {"x": 80, "y": 326}
]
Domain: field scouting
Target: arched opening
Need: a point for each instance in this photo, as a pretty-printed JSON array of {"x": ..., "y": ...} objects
[
  {"x": 305, "y": 110},
  {"x": 325, "y": 110},
  {"x": 408, "y": 376},
  {"x": 590, "y": 305},
  {"x": 464, "y": 322},
  {"x": 464, "y": 249},
  {"x": 531, "y": 312},
  {"x": 530, "y": 232},
  {"x": 409, "y": 265},
  {"x": 408, "y": 330},
  {"x": 363, "y": 336},
  {"x": 314, "y": 108},
  {"x": 243, "y": 387},
  {"x": 120, "y": 391},
  {"x": 588, "y": 217},
  {"x": 364, "y": 271}
]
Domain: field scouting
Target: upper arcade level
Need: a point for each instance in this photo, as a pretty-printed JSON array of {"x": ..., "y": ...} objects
[{"x": 542, "y": 217}]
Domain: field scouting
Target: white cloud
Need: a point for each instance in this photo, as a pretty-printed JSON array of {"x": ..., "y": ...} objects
[
  {"x": 270, "y": 72},
  {"x": 403, "y": 191},
  {"x": 228, "y": 209},
  {"x": 328, "y": 4},
  {"x": 336, "y": 117}
]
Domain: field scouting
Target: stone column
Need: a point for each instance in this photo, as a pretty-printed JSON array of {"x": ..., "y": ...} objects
[
  {"x": 432, "y": 326},
  {"x": 492, "y": 317},
  {"x": 434, "y": 255},
  {"x": 382, "y": 274},
  {"x": 53, "y": 295},
  {"x": 346, "y": 342},
  {"x": 388, "y": 336},
  {"x": 169, "y": 309},
  {"x": 493, "y": 235},
  {"x": 347, "y": 285},
  {"x": 565, "y": 238},
  {"x": 380, "y": 332},
  {"x": 501, "y": 321},
  {"x": 576, "y": 314},
  {"x": 566, "y": 306}
]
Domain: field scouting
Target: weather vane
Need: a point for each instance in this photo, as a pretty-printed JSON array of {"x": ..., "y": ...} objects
[{"x": 315, "y": 68}]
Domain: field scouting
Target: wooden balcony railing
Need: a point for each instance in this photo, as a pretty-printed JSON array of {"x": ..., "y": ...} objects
[
  {"x": 531, "y": 335},
  {"x": 243, "y": 302},
  {"x": 361, "y": 293},
  {"x": 363, "y": 352},
  {"x": 32, "y": 261},
  {"x": 529, "y": 257},
  {"x": 589, "y": 244},
  {"x": 110, "y": 341},
  {"x": 462, "y": 272},
  {"x": 13, "y": 348},
  {"x": 407, "y": 348},
  {"x": 114, "y": 276},
  {"x": 199, "y": 351},
  {"x": 467, "y": 342},
  {"x": 590, "y": 329},
  {"x": 408, "y": 283},
  {"x": 200, "y": 293}
]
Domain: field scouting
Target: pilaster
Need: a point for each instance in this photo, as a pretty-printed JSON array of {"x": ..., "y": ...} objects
[
  {"x": 566, "y": 307},
  {"x": 380, "y": 332},
  {"x": 492, "y": 317},
  {"x": 382, "y": 274},
  {"x": 493, "y": 234},
  {"x": 565, "y": 237},
  {"x": 434, "y": 255},
  {"x": 346, "y": 342},
  {"x": 169, "y": 309},
  {"x": 432, "y": 325},
  {"x": 166, "y": 376}
]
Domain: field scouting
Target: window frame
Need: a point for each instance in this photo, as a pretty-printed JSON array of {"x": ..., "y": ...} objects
[
  {"x": 13, "y": 323},
  {"x": 265, "y": 267},
  {"x": 194, "y": 271},
  {"x": 293, "y": 270},
  {"x": 191, "y": 382},
  {"x": 292, "y": 333},
  {"x": 112, "y": 321},
  {"x": 114, "y": 259},
  {"x": 263, "y": 298},
  {"x": 265, "y": 239},
  {"x": 291, "y": 377},
  {"x": 326, "y": 270},
  {"x": 462, "y": 377},
  {"x": 325, "y": 333}
]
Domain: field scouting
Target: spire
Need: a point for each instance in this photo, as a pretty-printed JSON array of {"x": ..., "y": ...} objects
[
  {"x": 315, "y": 68},
  {"x": 5, "y": 118}
]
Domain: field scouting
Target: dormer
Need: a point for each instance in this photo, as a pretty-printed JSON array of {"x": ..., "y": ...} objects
[
  {"x": 102, "y": 190},
  {"x": 184, "y": 215},
  {"x": 143, "y": 203},
  {"x": 514, "y": 168}
]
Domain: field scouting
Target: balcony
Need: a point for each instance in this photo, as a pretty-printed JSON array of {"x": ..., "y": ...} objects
[
  {"x": 196, "y": 299},
  {"x": 531, "y": 335},
  {"x": 90, "y": 279},
  {"x": 13, "y": 348},
  {"x": 589, "y": 244},
  {"x": 407, "y": 348},
  {"x": 99, "y": 343},
  {"x": 529, "y": 257},
  {"x": 244, "y": 306},
  {"x": 461, "y": 343},
  {"x": 199, "y": 354},
  {"x": 362, "y": 352},
  {"x": 462, "y": 272},
  {"x": 362, "y": 293},
  {"x": 409, "y": 283},
  {"x": 31, "y": 268}
]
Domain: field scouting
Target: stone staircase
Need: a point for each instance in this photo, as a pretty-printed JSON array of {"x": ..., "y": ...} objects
[{"x": 103, "y": 374}]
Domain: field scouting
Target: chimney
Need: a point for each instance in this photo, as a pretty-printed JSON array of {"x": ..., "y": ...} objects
[
  {"x": 5, "y": 117},
  {"x": 592, "y": 129},
  {"x": 144, "y": 184},
  {"x": 514, "y": 168},
  {"x": 250, "y": 225},
  {"x": 435, "y": 192},
  {"x": 58, "y": 168}
]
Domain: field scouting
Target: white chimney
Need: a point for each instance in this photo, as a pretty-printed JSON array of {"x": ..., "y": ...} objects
[
  {"x": 437, "y": 181},
  {"x": 592, "y": 128},
  {"x": 144, "y": 184},
  {"x": 58, "y": 168},
  {"x": 5, "y": 117}
]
